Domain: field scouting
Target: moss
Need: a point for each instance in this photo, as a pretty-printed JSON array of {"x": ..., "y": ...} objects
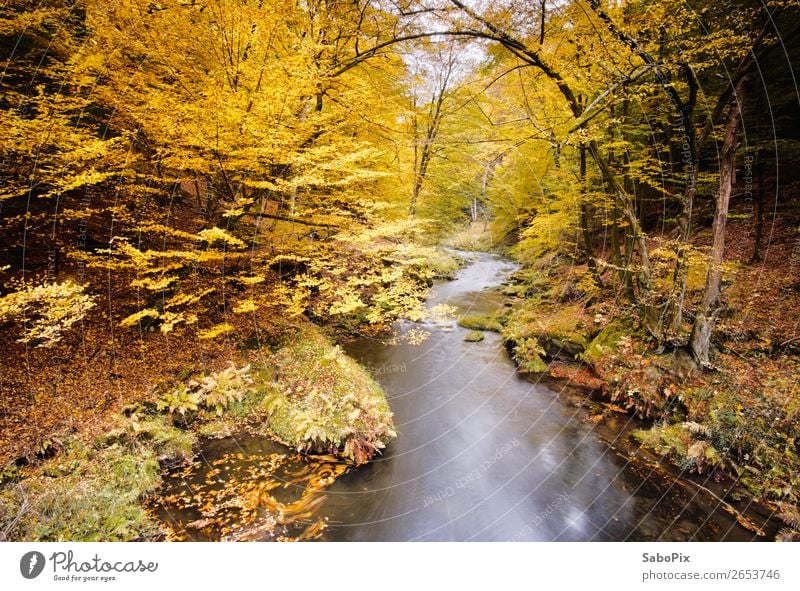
[
  {"x": 606, "y": 342},
  {"x": 560, "y": 332},
  {"x": 92, "y": 493},
  {"x": 474, "y": 337},
  {"x": 312, "y": 396},
  {"x": 534, "y": 280},
  {"x": 323, "y": 401},
  {"x": 515, "y": 290},
  {"x": 684, "y": 444},
  {"x": 567, "y": 324},
  {"x": 529, "y": 283},
  {"x": 665, "y": 439},
  {"x": 480, "y": 323}
]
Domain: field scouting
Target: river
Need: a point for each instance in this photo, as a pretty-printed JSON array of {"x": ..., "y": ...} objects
[{"x": 481, "y": 453}]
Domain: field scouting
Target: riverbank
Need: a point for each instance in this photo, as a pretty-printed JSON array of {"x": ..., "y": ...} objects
[
  {"x": 732, "y": 429},
  {"x": 484, "y": 450},
  {"x": 307, "y": 394},
  {"x": 81, "y": 455}
]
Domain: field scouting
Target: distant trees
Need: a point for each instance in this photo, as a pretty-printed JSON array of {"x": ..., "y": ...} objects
[{"x": 427, "y": 124}]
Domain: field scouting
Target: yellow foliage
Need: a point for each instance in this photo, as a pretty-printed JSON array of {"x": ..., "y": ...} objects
[
  {"x": 186, "y": 299},
  {"x": 215, "y": 331},
  {"x": 135, "y": 318},
  {"x": 346, "y": 301},
  {"x": 154, "y": 284},
  {"x": 46, "y": 311},
  {"x": 245, "y": 306},
  {"x": 212, "y": 235},
  {"x": 169, "y": 320}
]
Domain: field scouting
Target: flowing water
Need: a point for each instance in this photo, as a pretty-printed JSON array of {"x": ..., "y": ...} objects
[{"x": 481, "y": 454}]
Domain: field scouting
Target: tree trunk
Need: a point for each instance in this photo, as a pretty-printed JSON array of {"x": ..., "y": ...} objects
[
  {"x": 674, "y": 311},
  {"x": 627, "y": 277},
  {"x": 759, "y": 214},
  {"x": 542, "y": 19},
  {"x": 584, "y": 221},
  {"x": 629, "y": 213},
  {"x": 627, "y": 185},
  {"x": 435, "y": 115},
  {"x": 422, "y": 171},
  {"x": 616, "y": 259},
  {"x": 709, "y": 309}
]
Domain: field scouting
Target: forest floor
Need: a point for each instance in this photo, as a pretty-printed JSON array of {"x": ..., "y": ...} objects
[
  {"x": 89, "y": 426},
  {"x": 105, "y": 452}
]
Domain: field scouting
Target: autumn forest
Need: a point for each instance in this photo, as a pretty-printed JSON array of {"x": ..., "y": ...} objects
[{"x": 246, "y": 231}]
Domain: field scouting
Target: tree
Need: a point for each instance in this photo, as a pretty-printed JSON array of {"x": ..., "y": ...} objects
[
  {"x": 442, "y": 71},
  {"x": 155, "y": 150},
  {"x": 710, "y": 306}
]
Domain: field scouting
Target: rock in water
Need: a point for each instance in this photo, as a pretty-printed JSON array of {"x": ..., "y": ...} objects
[{"x": 474, "y": 336}]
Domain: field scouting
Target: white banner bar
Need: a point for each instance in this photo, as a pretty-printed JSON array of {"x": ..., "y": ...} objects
[{"x": 390, "y": 566}]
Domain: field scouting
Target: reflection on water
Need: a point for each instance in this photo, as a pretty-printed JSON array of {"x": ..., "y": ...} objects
[{"x": 481, "y": 454}]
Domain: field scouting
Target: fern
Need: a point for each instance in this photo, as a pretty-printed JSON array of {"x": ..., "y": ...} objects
[
  {"x": 180, "y": 400},
  {"x": 219, "y": 390}
]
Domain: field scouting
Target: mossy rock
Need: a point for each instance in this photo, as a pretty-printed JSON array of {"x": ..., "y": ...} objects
[
  {"x": 560, "y": 331},
  {"x": 474, "y": 337},
  {"x": 606, "y": 342},
  {"x": 563, "y": 347},
  {"x": 480, "y": 323},
  {"x": 323, "y": 401},
  {"x": 563, "y": 332}
]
